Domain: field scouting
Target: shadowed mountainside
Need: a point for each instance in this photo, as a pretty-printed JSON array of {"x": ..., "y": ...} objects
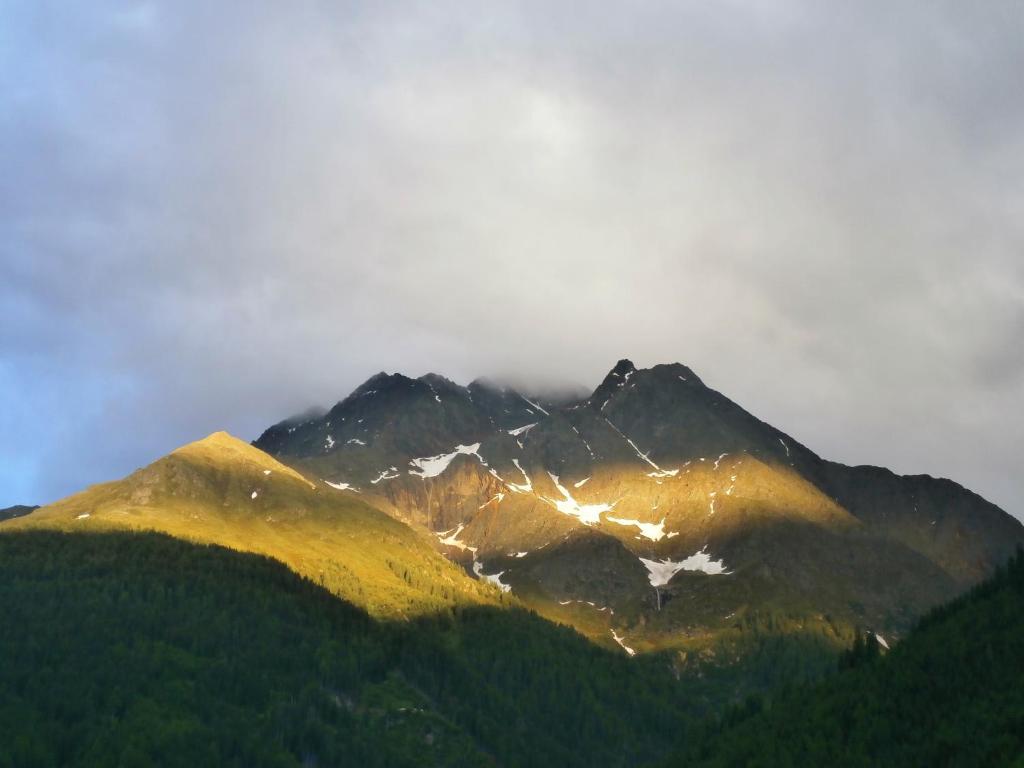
[{"x": 655, "y": 513}]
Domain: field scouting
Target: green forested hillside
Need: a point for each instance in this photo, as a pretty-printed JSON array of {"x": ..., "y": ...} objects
[
  {"x": 139, "y": 649},
  {"x": 127, "y": 649},
  {"x": 951, "y": 694}
]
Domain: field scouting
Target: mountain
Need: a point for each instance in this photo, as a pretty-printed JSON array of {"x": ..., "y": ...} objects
[
  {"x": 404, "y": 579},
  {"x": 952, "y": 693},
  {"x": 221, "y": 490},
  {"x": 18, "y": 510},
  {"x": 653, "y": 514}
]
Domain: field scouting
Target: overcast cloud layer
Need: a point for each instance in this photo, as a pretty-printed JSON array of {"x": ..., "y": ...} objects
[{"x": 213, "y": 215}]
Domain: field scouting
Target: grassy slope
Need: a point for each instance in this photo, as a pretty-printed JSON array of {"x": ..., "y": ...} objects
[{"x": 204, "y": 492}]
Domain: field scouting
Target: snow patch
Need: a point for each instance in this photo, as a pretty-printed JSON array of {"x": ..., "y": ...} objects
[
  {"x": 535, "y": 406},
  {"x": 660, "y": 572},
  {"x": 329, "y": 442},
  {"x": 432, "y": 466},
  {"x": 82, "y": 516},
  {"x": 266, "y": 471},
  {"x": 520, "y": 430},
  {"x": 493, "y": 578},
  {"x": 526, "y": 487},
  {"x": 588, "y": 514},
  {"x": 639, "y": 453},
  {"x": 354, "y": 441},
  {"x": 585, "y": 444},
  {"x": 622, "y": 642},
  {"x": 342, "y": 486},
  {"x": 579, "y": 484},
  {"x": 652, "y": 531},
  {"x": 591, "y": 603},
  {"x": 881, "y": 641},
  {"x": 254, "y": 494},
  {"x": 496, "y": 497},
  {"x": 663, "y": 473},
  {"x": 451, "y": 539},
  {"x": 387, "y": 474}
]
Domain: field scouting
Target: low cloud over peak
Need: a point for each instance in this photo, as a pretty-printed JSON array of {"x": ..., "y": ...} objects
[{"x": 211, "y": 218}]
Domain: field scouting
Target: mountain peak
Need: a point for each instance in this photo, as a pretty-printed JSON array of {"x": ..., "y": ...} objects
[
  {"x": 614, "y": 381},
  {"x": 220, "y": 436},
  {"x": 222, "y": 449},
  {"x": 436, "y": 378},
  {"x": 440, "y": 384},
  {"x": 677, "y": 371},
  {"x": 623, "y": 368},
  {"x": 220, "y": 440},
  {"x": 382, "y": 380},
  {"x": 485, "y": 384}
]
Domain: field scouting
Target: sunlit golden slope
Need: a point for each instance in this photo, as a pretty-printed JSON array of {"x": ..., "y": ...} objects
[
  {"x": 740, "y": 544},
  {"x": 221, "y": 490}
]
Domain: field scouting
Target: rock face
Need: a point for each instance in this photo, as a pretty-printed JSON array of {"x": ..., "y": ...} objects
[{"x": 655, "y": 508}]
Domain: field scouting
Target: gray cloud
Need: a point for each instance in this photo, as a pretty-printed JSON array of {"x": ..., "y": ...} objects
[{"x": 214, "y": 216}]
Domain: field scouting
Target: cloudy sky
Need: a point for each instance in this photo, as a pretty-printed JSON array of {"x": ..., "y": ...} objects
[{"x": 213, "y": 215}]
